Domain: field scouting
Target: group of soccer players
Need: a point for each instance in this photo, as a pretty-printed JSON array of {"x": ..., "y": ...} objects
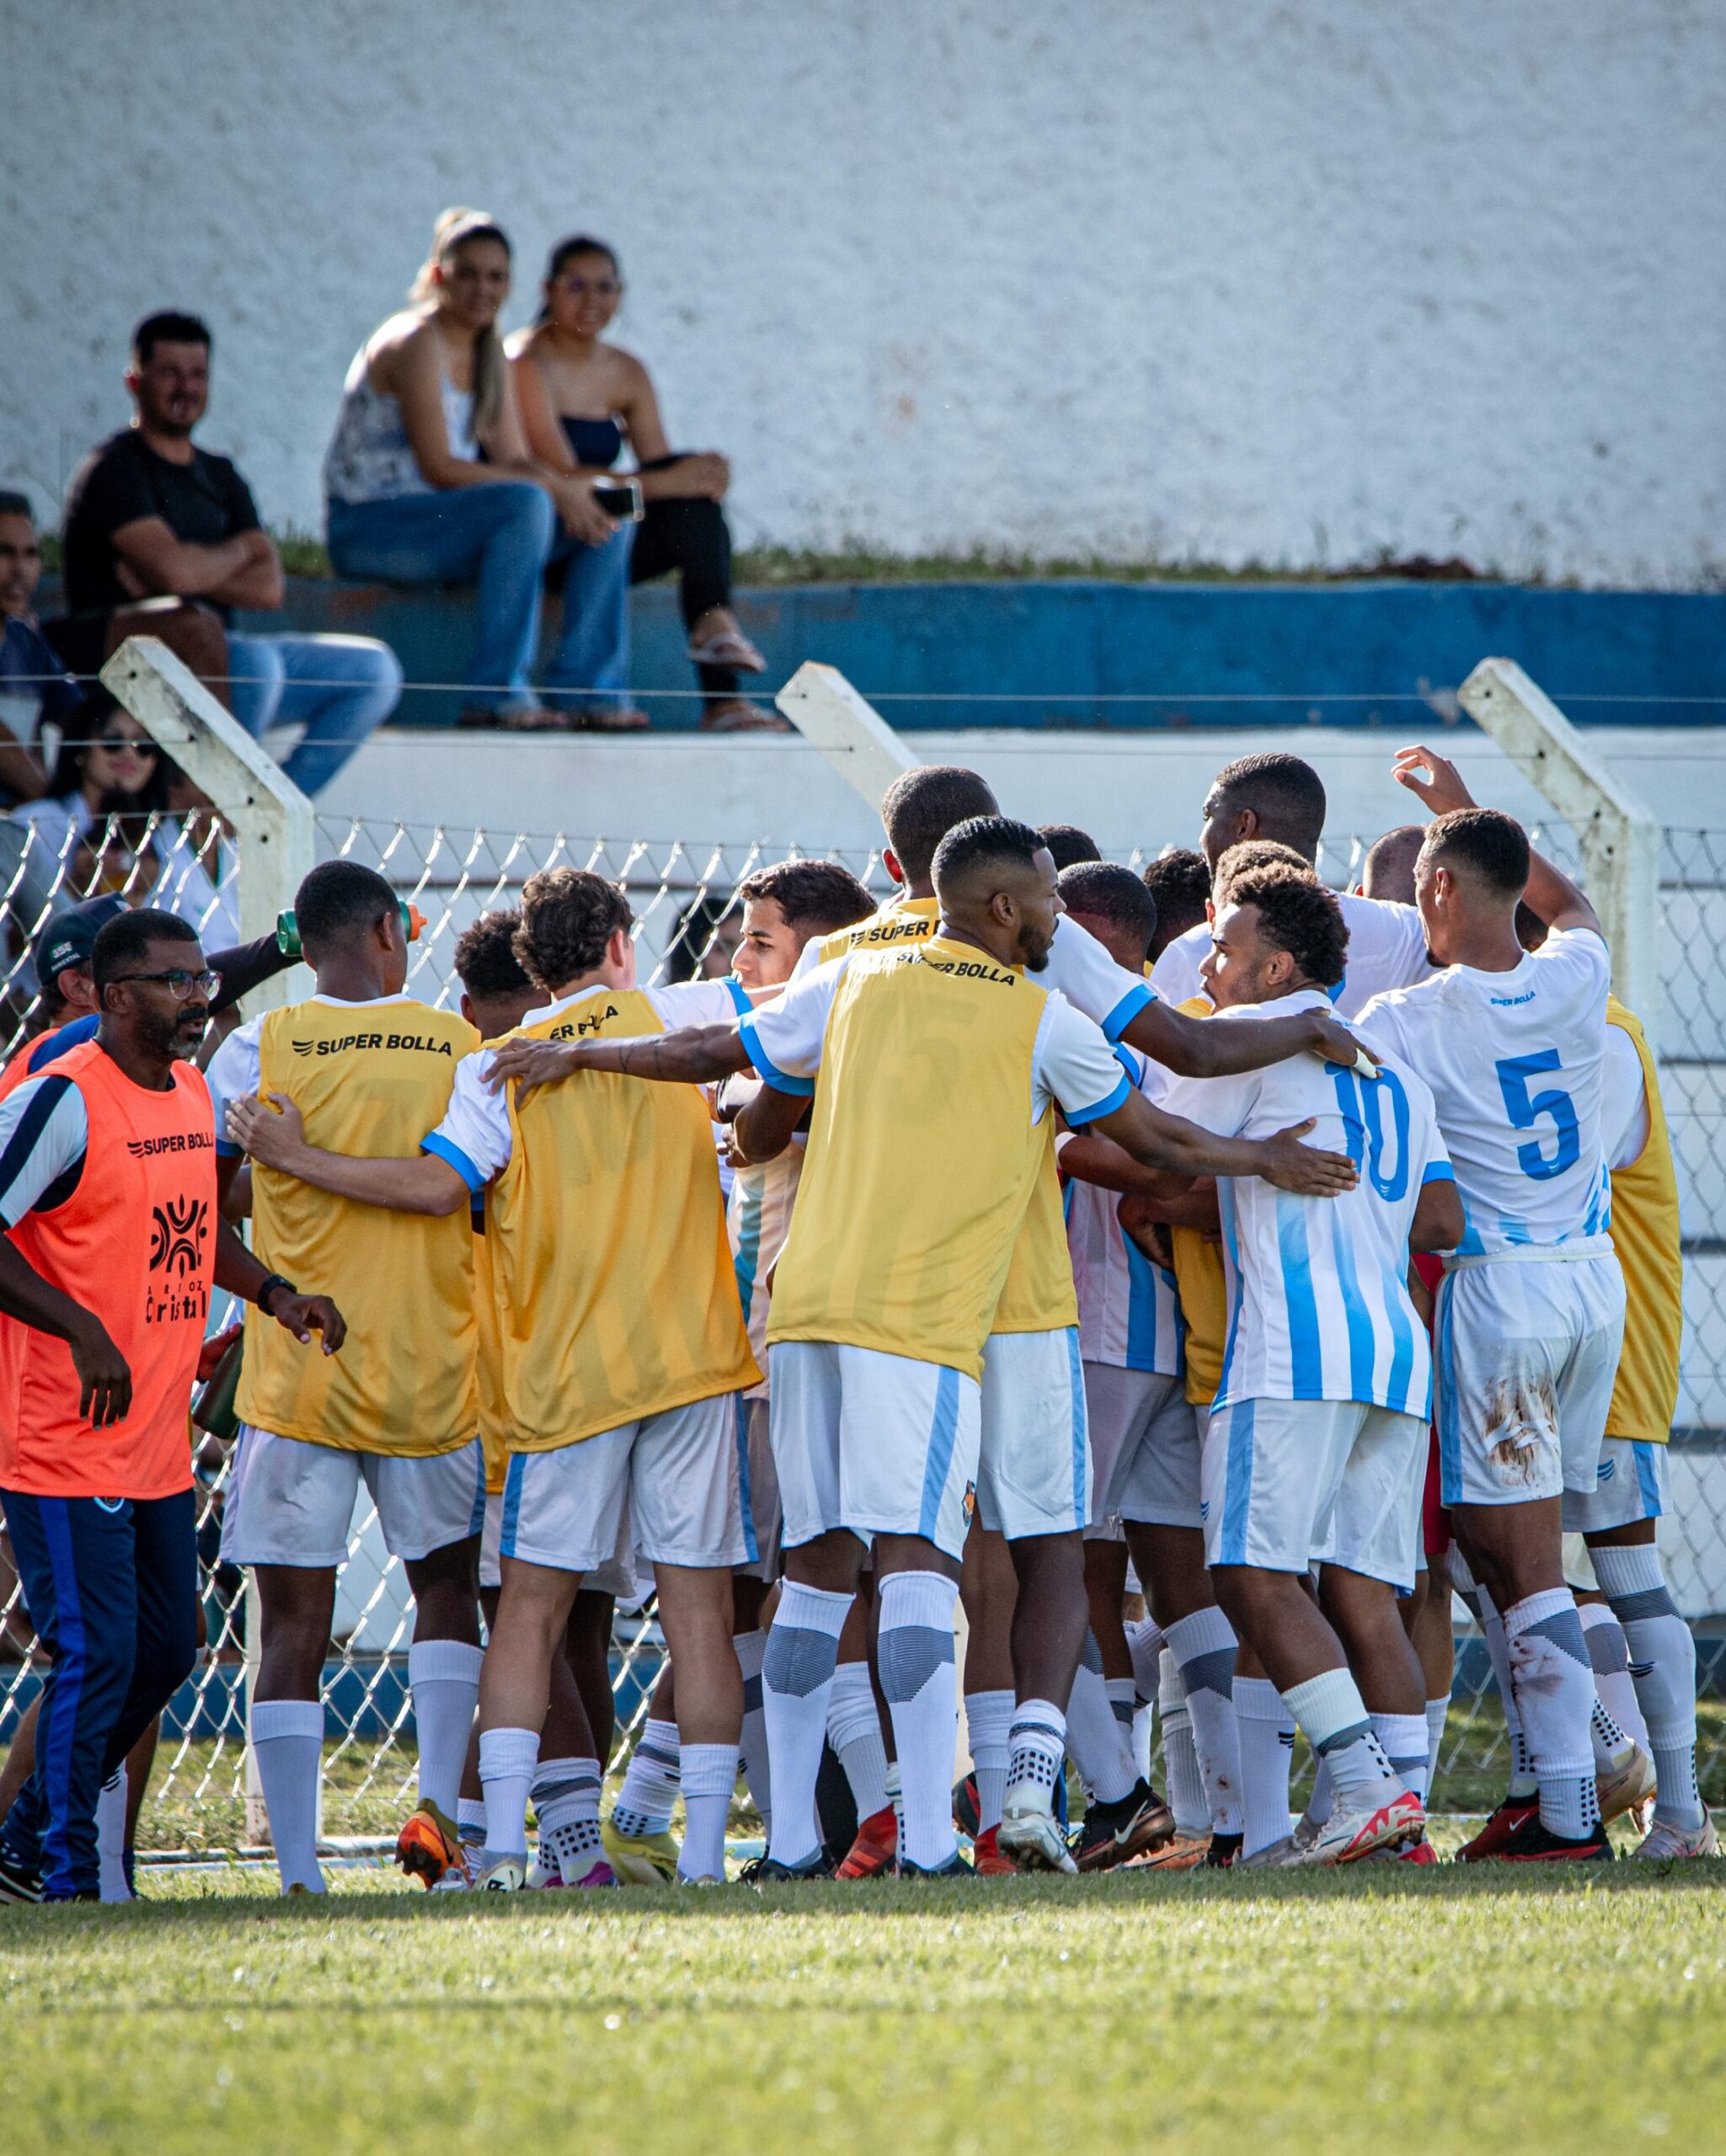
[{"x": 1193, "y": 1274}]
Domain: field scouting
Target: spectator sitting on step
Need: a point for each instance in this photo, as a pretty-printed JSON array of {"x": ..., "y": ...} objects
[
  {"x": 430, "y": 478},
  {"x": 33, "y": 684},
  {"x": 119, "y": 816},
  {"x": 152, "y": 515},
  {"x": 582, "y": 399}
]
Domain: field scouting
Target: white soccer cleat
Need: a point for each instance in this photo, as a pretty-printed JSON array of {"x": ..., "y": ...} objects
[
  {"x": 1028, "y": 1832},
  {"x": 1664, "y": 1839},
  {"x": 1350, "y": 1833},
  {"x": 1626, "y": 1783},
  {"x": 504, "y": 1875},
  {"x": 1271, "y": 1858}
]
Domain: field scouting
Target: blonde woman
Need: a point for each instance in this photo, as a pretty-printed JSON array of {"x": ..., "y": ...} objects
[{"x": 429, "y": 479}]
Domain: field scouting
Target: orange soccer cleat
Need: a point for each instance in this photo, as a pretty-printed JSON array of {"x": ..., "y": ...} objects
[
  {"x": 874, "y": 1853},
  {"x": 429, "y": 1845}
]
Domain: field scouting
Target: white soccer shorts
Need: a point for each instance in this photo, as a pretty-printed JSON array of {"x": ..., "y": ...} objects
[
  {"x": 1146, "y": 1442},
  {"x": 1287, "y": 1481},
  {"x": 290, "y": 1502},
  {"x": 1526, "y": 1351},
  {"x": 617, "y": 1578},
  {"x": 672, "y": 1478},
  {"x": 879, "y": 1443},
  {"x": 1033, "y": 1468},
  {"x": 1631, "y": 1484},
  {"x": 759, "y": 1486}
]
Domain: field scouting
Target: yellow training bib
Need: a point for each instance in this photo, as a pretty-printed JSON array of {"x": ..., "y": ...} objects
[
  {"x": 1203, "y": 1288},
  {"x": 1645, "y": 1234}
]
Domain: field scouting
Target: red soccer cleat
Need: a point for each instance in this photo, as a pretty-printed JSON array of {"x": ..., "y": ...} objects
[{"x": 876, "y": 1847}]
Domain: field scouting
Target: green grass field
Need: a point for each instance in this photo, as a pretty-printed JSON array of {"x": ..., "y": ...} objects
[{"x": 1390, "y": 2010}]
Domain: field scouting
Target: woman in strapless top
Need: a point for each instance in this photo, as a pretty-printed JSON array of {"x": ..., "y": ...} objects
[{"x": 582, "y": 402}]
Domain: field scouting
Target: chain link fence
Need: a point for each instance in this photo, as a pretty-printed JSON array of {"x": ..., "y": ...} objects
[{"x": 684, "y": 894}]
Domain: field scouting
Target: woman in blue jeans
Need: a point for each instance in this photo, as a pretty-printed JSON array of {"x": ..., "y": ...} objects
[{"x": 429, "y": 479}]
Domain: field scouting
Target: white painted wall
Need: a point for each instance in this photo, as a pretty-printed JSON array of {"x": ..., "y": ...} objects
[{"x": 1291, "y": 283}]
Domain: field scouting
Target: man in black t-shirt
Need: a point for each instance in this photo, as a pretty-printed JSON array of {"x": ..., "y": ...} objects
[{"x": 152, "y": 515}]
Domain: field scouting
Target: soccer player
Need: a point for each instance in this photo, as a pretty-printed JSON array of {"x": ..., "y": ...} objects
[
  {"x": 367, "y": 1068},
  {"x": 1316, "y": 1438},
  {"x": 1179, "y": 881},
  {"x": 939, "y": 1060},
  {"x": 1145, "y": 1443},
  {"x": 1531, "y": 1314},
  {"x": 623, "y": 1351},
  {"x": 1276, "y": 796},
  {"x": 108, "y": 1194}
]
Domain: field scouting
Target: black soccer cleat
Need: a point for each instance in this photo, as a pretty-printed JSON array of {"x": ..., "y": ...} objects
[
  {"x": 769, "y": 1871},
  {"x": 1110, "y": 1833},
  {"x": 1223, "y": 1852},
  {"x": 966, "y": 1816},
  {"x": 17, "y": 1884},
  {"x": 1535, "y": 1843},
  {"x": 954, "y": 1868}
]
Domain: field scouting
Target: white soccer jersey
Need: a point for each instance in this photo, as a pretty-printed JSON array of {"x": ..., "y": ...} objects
[
  {"x": 757, "y": 1221},
  {"x": 1130, "y": 1311},
  {"x": 1317, "y": 1288},
  {"x": 1386, "y": 950},
  {"x": 1515, "y": 1061}
]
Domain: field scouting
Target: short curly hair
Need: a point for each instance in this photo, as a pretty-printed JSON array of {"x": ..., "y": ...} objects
[
  {"x": 1299, "y": 915},
  {"x": 485, "y": 959},
  {"x": 1241, "y": 859},
  {"x": 815, "y": 896},
  {"x": 568, "y": 917}
]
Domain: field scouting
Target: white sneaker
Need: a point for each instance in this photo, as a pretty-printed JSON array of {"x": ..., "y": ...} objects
[
  {"x": 1029, "y": 1833},
  {"x": 502, "y": 1875},
  {"x": 1664, "y": 1839},
  {"x": 1353, "y": 1832}
]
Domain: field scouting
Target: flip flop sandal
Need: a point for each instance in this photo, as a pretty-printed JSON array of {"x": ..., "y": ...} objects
[
  {"x": 745, "y": 719},
  {"x": 732, "y": 648},
  {"x": 531, "y": 718},
  {"x": 605, "y": 718}
]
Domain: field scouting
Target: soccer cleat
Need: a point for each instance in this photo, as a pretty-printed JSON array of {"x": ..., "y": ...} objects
[
  {"x": 966, "y": 1813},
  {"x": 1110, "y": 1833},
  {"x": 17, "y": 1884},
  {"x": 504, "y": 1875},
  {"x": 1271, "y": 1858},
  {"x": 1307, "y": 1830},
  {"x": 954, "y": 1868},
  {"x": 1185, "y": 1853},
  {"x": 1351, "y": 1833},
  {"x": 640, "y": 1860},
  {"x": 769, "y": 1871},
  {"x": 1420, "y": 1852},
  {"x": 1626, "y": 1783},
  {"x": 1664, "y": 1839},
  {"x": 871, "y": 1855},
  {"x": 1535, "y": 1843},
  {"x": 1028, "y": 1834},
  {"x": 429, "y": 1845},
  {"x": 1490, "y": 1842},
  {"x": 986, "y": 1859},
  {"x": 1223, "y": 1852}
]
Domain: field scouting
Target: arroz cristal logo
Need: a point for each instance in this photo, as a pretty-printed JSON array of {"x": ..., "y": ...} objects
[{"x": 179, "y": 1229}]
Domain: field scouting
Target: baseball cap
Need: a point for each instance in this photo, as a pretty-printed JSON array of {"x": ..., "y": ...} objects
[{"x": 70, "y": 938}]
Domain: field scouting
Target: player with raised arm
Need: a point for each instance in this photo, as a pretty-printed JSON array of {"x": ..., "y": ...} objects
[
  {"x": 939, "y": 1060},
  {"x": 366, "y": 1067},
  {"x": 1316, "y": 1443},
  {"x": 624, "y": 1350},
  {"x": 1278, "y": 796},
  {"x": 1530, "y": 1312}
]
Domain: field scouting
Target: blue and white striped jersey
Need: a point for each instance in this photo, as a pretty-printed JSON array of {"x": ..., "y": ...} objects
[
  {"x": 1515, "y": 1062},
  {"x": 1130, "y": 1311},
  {"x": 1319, "y": 1288}
]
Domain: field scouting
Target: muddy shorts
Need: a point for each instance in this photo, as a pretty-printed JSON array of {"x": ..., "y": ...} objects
[{"x": 1526, "y": 1351}]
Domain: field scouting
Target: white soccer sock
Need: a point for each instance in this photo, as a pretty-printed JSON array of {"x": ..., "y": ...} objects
[
  {"x": 1524, "y": 1781},
  {"x": 111, "y": 1837},
  {"x": 287, "y": 1742},
  {"x": 470, "y": 1823},
  {"x": 1267, "y": 1734},
  {"x": 915, "y": 1645},
  {"x": 1438, "y": 1713},
  {"x": 1204, "y": 1646},
  {"x": 650, "y": 1783},
  {"x": 1144, "y": 1736},
  {"x": 1096, "y": 1741},
  {"x": 988, "y": 1717},
  {"x": 1612, "y": 1747},
  {"x": 1663, "y": 1663},
  {"x": 752, "y": 1648},
  {"x": 1037, "y": 1750},
  {"x": 1610, "y": 1652},
  {"x": 1403, "y": 1739},
  {"x": 1332, "y": 1715},
  {"x": 709, "y": 1777},
  {"x": 1555, "y": 1696},
  {"x": 1180, "y": 1757},
  {"x": 507, "y": 1759},
  {"x": 854, "y": 1731},
  {"x": 1323, "y": 1799},
  {"x": 443, "y": 1677},
  {"x": 797, "y": 1681},
  {"x": 1123, "y": 1698},
  {"x": 566, "y": 1806},
  {"x": 1145, "y": 1644},
  {"x": 896, "y": 1797}
]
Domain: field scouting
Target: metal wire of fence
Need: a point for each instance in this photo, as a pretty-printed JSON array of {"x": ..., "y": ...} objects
[{"x": 684, "y": 894}]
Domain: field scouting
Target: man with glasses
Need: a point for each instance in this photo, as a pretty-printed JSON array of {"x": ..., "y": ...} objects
[{"x": 113, "y": 1242}]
